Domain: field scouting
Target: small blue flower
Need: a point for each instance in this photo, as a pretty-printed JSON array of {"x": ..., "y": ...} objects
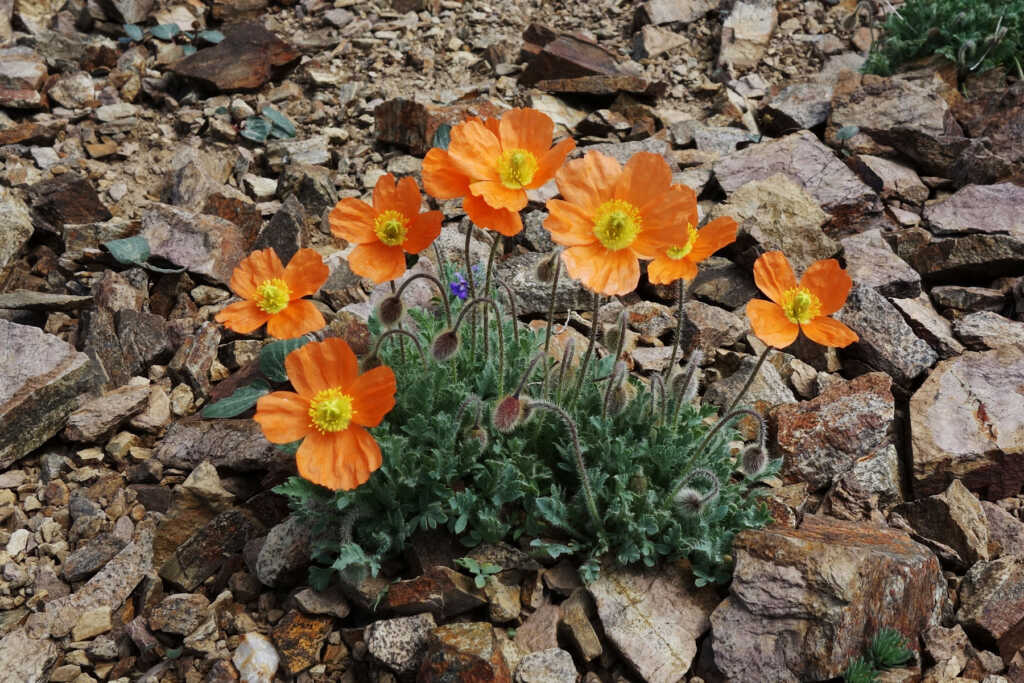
[{"x": 460, "y": 287}]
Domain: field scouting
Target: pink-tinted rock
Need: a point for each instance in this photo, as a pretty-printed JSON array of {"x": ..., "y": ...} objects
[{"x": 992, "y": 604}]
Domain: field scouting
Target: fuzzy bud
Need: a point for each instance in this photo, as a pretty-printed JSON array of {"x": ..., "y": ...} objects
[
  {"x": 508, "y": 414},
  {"x": 479, "y": 433},
  {"x": 638, "y": 484},
  {"x": 445, "y": 345},
  {"x": 690, "y": 500},
  {"x": 545, "y": 271},
  {"x": 390, "y": 311},
  {"x": 753, "y": 460}
]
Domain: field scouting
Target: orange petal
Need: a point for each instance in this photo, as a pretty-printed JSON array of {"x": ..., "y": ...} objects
[
  {"x": 712, "y": 237},
  {"x": 353, "y": 219},
  {"x": 588, "y": 182},
  {"x": 770, "y": 324},
  {"x": 493, "y": 125},
  {"x": 283, "y": 416},
  {"x": 408, "y": 197},
  {"x": 306, "y": 273},
  {"x": 670, "y": 211},
  {"x": 829, "y": 283},
  {"x": 242, "y": 317},
  {"x": 506, "y": 222},
  {"x": 498, "y": 196},
  {"x": 385, "y": 197},
  {"x": 373, "y": 396},
  {"x": 424, "y": 229},
  {"x": 315, "y": 460},
  {"x": 377, "y": 261},
  {"x": 357, "y": 454},
  {"x": 829, "y": 332},
  {"x": 321, "y": 365},
  {"x": 605, "y": 272},
  {"x": 645, "y": 180},
  {"x": 475, "y": 150},
  {"x": 773, "y": 274},
  {"x": 569, "y": 224},
  {"x": 526, "y": 129},
  {"x": 653, "y": 243},
  {"x": 550, "y": 162},
  {"x": 298, "y": 318},
  {"x": 442, "y": 179},
  {"x": 665, "y": 271},
  {"x": 254, "y": 269},
  {"x": 689, "y": 197}
]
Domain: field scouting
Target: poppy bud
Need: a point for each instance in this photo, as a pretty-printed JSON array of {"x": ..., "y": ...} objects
[
  {"x": 445, "y": 345},
  {"x": 753, "y": 459},
  {"x": 690, "y": 500},
  {"x": 390, "y": 311},
  {"x": 545, "y": 270},
  {"x": 480, "y": 434},
  {"x": 508, "y": 414}
]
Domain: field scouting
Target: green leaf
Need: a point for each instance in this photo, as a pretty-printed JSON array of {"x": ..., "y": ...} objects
[
  {"x": 281, "y": 123},
  {"x": 442, "y": 136},
  {"x": 256, "y": 129},
  {"x": 273, "y": 354},
  {"x": 210, "y": 36},
  {"x": 165, "y": 31},
  {"x": 889, "y": 649},
  {"x": 846, "y": 132},
  {"x": 480, "y": 581},
  {"x": 189, "y": 50},
  {"x": 237, "y": 403},
  {"x": 131, "y": 251},
  {"x": 291, "y": 448},
  {"x": 133, "y": 32}
]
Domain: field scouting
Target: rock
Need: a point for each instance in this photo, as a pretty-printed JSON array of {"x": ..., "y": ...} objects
[
  {"x": 987, "y": 330},
  {"x": 890, "y": 179},
  {"x": 234, "y": 10},
  {"x": 720, "y": 139},
  {"x": 803, "y": 601},
  {"x": 547, "y": 666},
  {"x": 778, "y": 214},
  {"x": 954, "y": 518},
  {"x": 1005, "y": 532},
  {"x": 463, "y": 653},
  {"x": 927, "y": 324},
  {"x": 18, "y": 541},
  {"x": 968, "y": 299},
  {"x": 15, "y": 228},
  {"x": 28, "y": 300},
  {"x": 411, "y": 123},
  {"x": 652, "y": 41},
  {"x": 990, "y": 209},
  {"x": 965, "y": 423},
  {"x": 198, "y": 179},
  {"x": 503, "y": 597},
  {"x": 654, "y": 618},
  {"x": 205, "y": 245},
  {"x": 956, "y": 259},
  {"x": 285, "y": 552},
  {"x": 874, "y": 483},
  {"x": 672, "y": 11},
  {"x": 67, "y": 199},
  {"x": 25, "y": 657},
  {"x": 811, "y": 164},
  {"x": 40, "y": 376},
  {"x": 311, "y": 185},
  {"x": 329, "y": 602},
  {"x": 441, "y": 591},
  {"x": 797, "y": 106},
  {"x": 244, "y": 60},
  {"x": 91, "y": 557},
  {"x": 886, "y": 341},
  {"x": 822, "y": 439},
  {"x": 533, "y": 297},
  {"x": 725, "y": 284},
  {"x": 127, "y": 11},
  {"x": 709, "y": 327},
  {"x": 283, "y": 233},
  {"x": 206, "y": 550},
  {"x": 767, "y": 391},
  {"x": 299, "y": 638},
  {"x": 144, "y": 339},
  {"x": 92, "y": 623},
  {"x": 231, "y": 444},
  {"x": 98, "y": 418},
  {"x": 871, "y": 262},
  {"x": 311, "y": 150},
  {"x": 992, "y": 604},
  {"x": 400, "y": 643},
  {"x": 180, "y": 613},
  {"x": 194, "y": 359},
  {"x": 22, "y": 73},
  {"x": 623, "y": 151},
  {"x": 746, "y": 33},
  {"x": 256, "y": 659},
  {"x": 577, "y": 612}
]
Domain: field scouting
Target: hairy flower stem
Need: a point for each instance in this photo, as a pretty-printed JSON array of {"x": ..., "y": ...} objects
[
  {"x": 501, "y": 336},
  {"x": 512, "y": 306},
  {"x": 581, "y": 467},
  {"x": 568, "y": 355},
  {"x": 706, "y": 441},
  {"x": 682, "y": 291},
  {"x": 657, "y": 406},
  {"x": 688, "y": 384},
  {"x": 590, "y": 350},
  {"x": 526, "y": 375},
  {"x": 618, "y": 372},
  {"x": 398, "y": 323},
  {"x": 404, "y": 333},
  {"x": 750, "y": 380},
  {"x": 440, "y": 288},
  {"x": 472, "y": 293},
  {"x": 487, "y": 282},
  {"x": 551, "y": 313}
]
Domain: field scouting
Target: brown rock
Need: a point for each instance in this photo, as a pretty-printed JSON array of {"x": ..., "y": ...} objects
[
  {"x": 803, "y": 601},
  {"x": 654, "y": 618},
  {"x": 180, "y": 613},
  {"x": 672, "y": 11},
  {"x": 234, "y": 10},
  {"x": 996, "y": 113},
  {"x": 928, "y": 325},
  {"x": 871, "y": 262},
  {"x": 30, "y": 133},
  {"x": 890, "y": 179},
  {"x": 992, "y": 604},
  {"x": 22, "y": 73},
  {"x": 991, "y": 209},
  {"x": 412, "y": 124},
  {"x": 299, "y": 638},
  {"x": 577, "y": 612},
  {"x": 66, "y": 199},
  {"x": 463, "y": 653},
  {"x": 746, "y": 33},
  {"x": 194, "y": 358},
  {"x": 1005, "y": 532},
  {"x": 441, "y": 590},
  {"x": 967, "y": 423},
  {"x": 99, "y": 417},
  {"x": 244, "y": 60},
  {"x": 232, "y": 444},
  {"x": 954, "y": 518},
  {"x": 540, "y": 630},
  {"x": 206, "y": 551},
  {"x": 559, "y": 58},
  {"x": 955, "y": 259},
  {"x": 797, "y": 106},
  {"x": 203, "y": 244}
]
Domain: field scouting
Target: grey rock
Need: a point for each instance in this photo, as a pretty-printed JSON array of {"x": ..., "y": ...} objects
[
  {"x": 968, "y": 299},
  {"x": 720, "y": 139},
  {"x": 927, "y": 324},
  {"x": 724, "y": 283},
  {"x": 892, "y": 180},
  {"x": 987, "y": 330},
  {"x": 955, "y": 259},
  {"x": 73, "y": 91},
  {"x": 312, "y": 150},
  {"x": 231, "y": 444},
  {"x": 622, "y": 151},
  {"x": 329, "y": 602},
  {"x": 205, "y": 245},
  {"x": 128, "y": 11},
  {"x": 1005, "y": 532},
  {"x": 990, "y": 209},
  {"x": 746, "y": 33},
  {"x": 29, "y": 300},
  {"x": 144, "y": 339},
  {"x": 15, "y": 227},
  {"x": 193, "y": 360},
  {"x": 709, "y": 327},
  {"x": 967, "y": 423},
  {"x": 886, "y": 341},
  {"x": 651, "y": 41},
  {"x": 871, "y": 262},
  {"x": 40, "y": 376},
  {"x": 180, "y": 613},
  {"x": 954, "y": 518},
  {"x": 283, "y": 233},
  {"x": 400, "y": 643},
  {"x": 533, "y": 296},
  {"x": 98, "y": 330},
  {"x": 797, "y": 106},
  {"x": 27, "y": 659},
  {"x": 874, "y": 483},
  {"x": 284, "y": 553},
  {"x": 767, "y": 391},
  {"x": 91, "y": 557},
  {"x": 99, "y": 417},
  {"x": 311, "y": 185},
  {"x": 672, "y": 11},
  {"x": 547, "y": 666}
]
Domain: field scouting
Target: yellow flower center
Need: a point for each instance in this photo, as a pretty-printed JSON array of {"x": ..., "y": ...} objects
[
  {"x": 272, "y": 296},
  {"x": 391, "y": 227},
  {"x": 516, "y": 168},
  {"x": 800, "y": 305},
  {"x": 330, "y": 410},
  {"x": 617, "y": 224},
  {"x": 679, "y": 251}
]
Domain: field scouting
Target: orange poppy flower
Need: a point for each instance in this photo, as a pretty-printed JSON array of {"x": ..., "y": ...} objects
[
  {"x": 613, "y": 215},
  {"x": 681, "y": 258},
  {"x": 386, "y": 231},
  {"x": 330, "y": 412},
  {"x": 805, "y": 306},
  {"x": 273, "y": 294},
  {"x": 491, "y": 164}
]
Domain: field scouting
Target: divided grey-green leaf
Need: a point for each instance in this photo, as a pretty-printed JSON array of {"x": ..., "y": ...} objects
[
  {"x": 237, "y": 403},
  {"x": 272, "y": 357}
]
